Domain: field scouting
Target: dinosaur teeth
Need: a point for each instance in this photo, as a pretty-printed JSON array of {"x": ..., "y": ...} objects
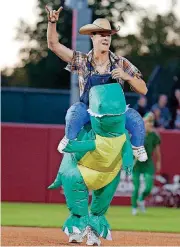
[{"x": 93, "y": 114}]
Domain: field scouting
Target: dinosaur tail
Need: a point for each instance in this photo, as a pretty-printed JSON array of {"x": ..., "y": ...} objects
[{"x": 57, "y": 182}]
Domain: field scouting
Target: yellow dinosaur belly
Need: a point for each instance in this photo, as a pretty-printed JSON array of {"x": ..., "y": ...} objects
[{"x": 101, "y": 166}]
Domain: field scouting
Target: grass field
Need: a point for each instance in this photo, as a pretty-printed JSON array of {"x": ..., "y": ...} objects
[{"x": 120, "y": 218}]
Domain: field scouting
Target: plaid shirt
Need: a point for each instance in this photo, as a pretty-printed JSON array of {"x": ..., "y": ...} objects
[{"x": 79, "y": 66}]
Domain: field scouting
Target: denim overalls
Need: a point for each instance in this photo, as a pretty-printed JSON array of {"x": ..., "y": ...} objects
[
  {"x": 77, "y": 115},
  {"x": 94, "y": 80}
]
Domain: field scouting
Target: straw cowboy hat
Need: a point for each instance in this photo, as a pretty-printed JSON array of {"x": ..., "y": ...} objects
[{"x": 99, "y": 25}]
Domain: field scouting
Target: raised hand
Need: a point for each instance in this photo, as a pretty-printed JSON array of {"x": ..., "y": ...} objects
[{"x": 53, "y": 15}]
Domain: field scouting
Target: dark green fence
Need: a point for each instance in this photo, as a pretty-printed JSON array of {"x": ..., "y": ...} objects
[
  {"x": 34, "y": 105},
  {"x": 39, "y": 106}
]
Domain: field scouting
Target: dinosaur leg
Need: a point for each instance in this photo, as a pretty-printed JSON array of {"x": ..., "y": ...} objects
[
  {"x": 76, "y": 194},
  {"x": 101, "y": 200}
]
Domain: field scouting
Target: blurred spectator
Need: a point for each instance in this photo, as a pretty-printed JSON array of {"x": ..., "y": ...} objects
[
  {"x": 141, "y": 106},
  {"x": 177, "y": 109},
  {"x": 161, "y": 112}
]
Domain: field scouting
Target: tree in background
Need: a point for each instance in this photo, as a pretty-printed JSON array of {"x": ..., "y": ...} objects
[
  {"x": 41, "y": 66},
  {"x": 156, "y": 42}
]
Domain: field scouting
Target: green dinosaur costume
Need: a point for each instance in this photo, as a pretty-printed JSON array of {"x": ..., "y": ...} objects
[{"x": 93, "y": 161}]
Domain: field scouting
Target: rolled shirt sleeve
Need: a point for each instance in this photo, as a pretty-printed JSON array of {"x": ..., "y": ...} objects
[
  {"x": 78, "y": 62},
  {"x": 131, "y": 69}
]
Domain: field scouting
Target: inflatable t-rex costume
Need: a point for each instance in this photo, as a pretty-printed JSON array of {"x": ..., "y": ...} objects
[{"x": 93, "y": 162}]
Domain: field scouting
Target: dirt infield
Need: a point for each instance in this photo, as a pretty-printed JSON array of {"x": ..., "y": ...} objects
[{"x": 29, "y": 236}]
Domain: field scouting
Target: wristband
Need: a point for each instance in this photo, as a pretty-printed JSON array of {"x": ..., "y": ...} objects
[{"x": 52, "y": 21}]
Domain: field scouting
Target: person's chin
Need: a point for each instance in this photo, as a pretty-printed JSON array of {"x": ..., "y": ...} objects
[{"x": 105, "y": 49}]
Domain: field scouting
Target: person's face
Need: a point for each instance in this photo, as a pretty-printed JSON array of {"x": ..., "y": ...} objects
[
  {"x": 157, "y": 114},
  {"x": 162, "y": 100},
  {"x": 177, "y": 94},
  {"x": 101, "y": 41},
  {"x": 142, "y": 101},
  {"x": 149, "y": 125}
]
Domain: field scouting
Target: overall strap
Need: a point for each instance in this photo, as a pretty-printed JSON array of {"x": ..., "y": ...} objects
[
  {"x": 112, "y": 65},
  {"x": 90, "y": 67}
]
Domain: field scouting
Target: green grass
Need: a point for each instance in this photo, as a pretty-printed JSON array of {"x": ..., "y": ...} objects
[{"x": 120, "y": 218}]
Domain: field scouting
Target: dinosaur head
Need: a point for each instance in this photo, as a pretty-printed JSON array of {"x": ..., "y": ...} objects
[{"x": 107, "y": 107}]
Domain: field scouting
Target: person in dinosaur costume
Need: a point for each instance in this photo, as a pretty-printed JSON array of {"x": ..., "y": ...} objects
[
  {"x": 98, "y": 66},
  {"x": 93, "y": 162}
]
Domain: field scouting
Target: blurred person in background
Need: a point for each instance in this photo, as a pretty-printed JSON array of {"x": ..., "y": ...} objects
[
  {"x": 141, "y": 106},
  {"x": 99, "y": 66},
  {"x": 147, "y": 168},
  {"x": 161, "y": 112},
  {"x": 175, "y": 109}
]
